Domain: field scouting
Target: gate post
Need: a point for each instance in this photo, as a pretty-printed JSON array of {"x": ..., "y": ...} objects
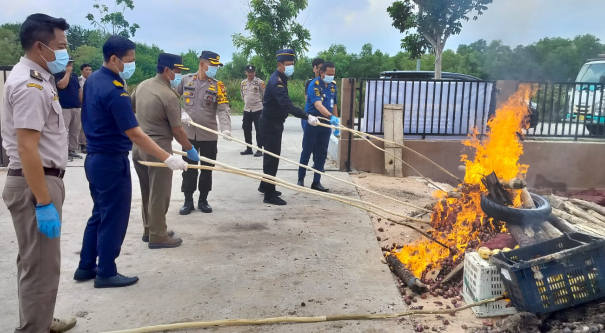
[
  {"x": 347, "y": 119},
  {"x": 392, "y": 123}
]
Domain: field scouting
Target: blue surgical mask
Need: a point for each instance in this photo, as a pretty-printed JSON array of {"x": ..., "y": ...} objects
[
  {"x": 329, "y": 78},
  {"x": 177, "y": 80},
  {"x": 129, "y": 68},
  {"x": 211, "y": 72},
  {"x": 289, "y": 70},
  {"x": 61, "y": 59}
]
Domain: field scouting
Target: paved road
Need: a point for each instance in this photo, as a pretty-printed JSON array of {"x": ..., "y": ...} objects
[{"x": 247, "y": 259}]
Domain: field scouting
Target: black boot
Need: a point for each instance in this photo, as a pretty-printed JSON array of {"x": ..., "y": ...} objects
[
  {"x": 248, "y": 151},
  {"x": 318, "y": 187},
  {"x": 258, "y": 153},
  {"x": 202, "y": 203},
  {"x": 188, "y": 206}
]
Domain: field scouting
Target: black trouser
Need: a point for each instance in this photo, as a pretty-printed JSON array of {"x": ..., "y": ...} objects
[
  {"x": 249, "y": 119},
  {"x": 272, "y": 130},
  {"x": 207, "y": 149}
]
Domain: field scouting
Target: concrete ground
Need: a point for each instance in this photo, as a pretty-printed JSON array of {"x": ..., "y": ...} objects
[{"x": 245, "y": 260}]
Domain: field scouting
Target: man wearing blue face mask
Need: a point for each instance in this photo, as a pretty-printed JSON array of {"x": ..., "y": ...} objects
[
  {"x": 158, "y": 112},
  {"x": 321, "y": 102},
  {"x": 35, "y": 139},
  {"x": 276, "y": 107},
  {"x": 204, "y": 100},
  {"x": 110, "y": 127}
]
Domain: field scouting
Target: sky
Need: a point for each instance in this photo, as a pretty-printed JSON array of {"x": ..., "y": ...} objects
[{"x": 179, "y": 25}]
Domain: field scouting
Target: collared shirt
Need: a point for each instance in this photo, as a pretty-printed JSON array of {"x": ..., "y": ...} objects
[
  {"x": 81, "y": 81},
  {"x": 252, "y": 94},
  {"x": 157, "y": 109},
  {"x": 276, "y": 101},
  {"x": 69, "y": 97},
  {"x": 204, "y": 100},
  {"x": 31, "y": 102},
  {"x": 107, "y": 113},
  {"x": 318, "y": 90}
]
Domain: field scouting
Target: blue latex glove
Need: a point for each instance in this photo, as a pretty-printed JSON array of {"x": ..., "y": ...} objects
[
  {"x": 335, "y": 121},
  {"x": 48, "y": 220},
  {"x": 193, "y": 155}
]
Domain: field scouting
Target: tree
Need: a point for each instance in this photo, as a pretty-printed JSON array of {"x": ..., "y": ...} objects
[
  {"x": 433, "y": 21},
  {"x": 10, "y": 45},
  {"x": 112, "y": 21},
  {"x": 272, "y": 27}
]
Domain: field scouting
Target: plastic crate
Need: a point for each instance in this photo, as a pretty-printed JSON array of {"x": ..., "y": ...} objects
[
  {"x": 481, "y": 280},
  {"x": 555, "y": 274}
]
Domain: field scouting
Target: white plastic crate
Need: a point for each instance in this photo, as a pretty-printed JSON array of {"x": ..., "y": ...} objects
[{"x": 481, "y": 280}]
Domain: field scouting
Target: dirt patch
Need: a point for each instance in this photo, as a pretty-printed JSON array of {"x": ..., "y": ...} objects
[{"x": 418, "y": 192}]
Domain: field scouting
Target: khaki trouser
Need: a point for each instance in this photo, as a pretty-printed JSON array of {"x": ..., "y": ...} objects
[
  {"x": 73, "y": 124},
  {"x": 156, "y": 185},
  {"x": 39, "y": 258}
]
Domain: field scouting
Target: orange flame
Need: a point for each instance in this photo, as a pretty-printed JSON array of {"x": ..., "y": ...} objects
[{"x": 459, "y": 221}]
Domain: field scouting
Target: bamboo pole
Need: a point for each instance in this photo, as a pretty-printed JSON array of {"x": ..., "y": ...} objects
[
  {"x": 192, "y": 123},
  {"x": 298, "y": 320},
  {"x": 362, "y": 134},
  {"x": 277, "y": 181}
]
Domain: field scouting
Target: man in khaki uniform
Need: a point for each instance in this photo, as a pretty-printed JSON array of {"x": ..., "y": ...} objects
[
  {"x": 35, "y": 140},
  {"x": 204, "y": 98},
  {"x": 159, "y": 114},
  {"x": 252, "y": 90}
]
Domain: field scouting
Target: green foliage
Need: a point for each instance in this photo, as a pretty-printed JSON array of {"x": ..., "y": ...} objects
[
  {"x": 427, "y": 24},
  {"x": 9, "y": 44},
  {"x": 272, "y": 27},
  {"x": 112, "y": 20}
]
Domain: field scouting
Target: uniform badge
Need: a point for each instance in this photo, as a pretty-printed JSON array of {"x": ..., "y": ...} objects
[
  {"x": 34, "y": 85},
  {"x": 117, "y": 83},
  {"x": 36, "y": 75},
  {"x": 55, "y": 98},
  {"x": 212, "y": 87}
]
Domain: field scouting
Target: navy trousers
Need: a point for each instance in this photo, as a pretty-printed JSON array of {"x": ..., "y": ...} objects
[
  {"x": 111, "y": 190},
  {"x": 315, "y": 141}
]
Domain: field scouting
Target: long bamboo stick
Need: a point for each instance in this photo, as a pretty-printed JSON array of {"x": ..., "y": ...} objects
[
  {"x": 299, "y": 320},
  {"x": 277, "y": 181},
  {"x": 362, "y": 134},
  {"x": 406, "y": 217},
  {"x": 192, "y": 123}
]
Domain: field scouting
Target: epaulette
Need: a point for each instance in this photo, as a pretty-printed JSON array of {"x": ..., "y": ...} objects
[
  {"x": 316, "y": 82},
  {"x": 34, "y": 85},
  {"x": 117, "y": 84},
  {"x": 36, "y": 75}
]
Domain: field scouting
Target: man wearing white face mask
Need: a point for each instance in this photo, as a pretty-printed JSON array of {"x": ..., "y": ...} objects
[
  {"x": 159, "y": 114},
  {"x": 204, "y": 100},
  {"x": 110, "y": 127}
]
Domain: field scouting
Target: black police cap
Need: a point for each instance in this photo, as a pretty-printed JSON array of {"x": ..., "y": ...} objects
[{"x": 213, "y": 57}]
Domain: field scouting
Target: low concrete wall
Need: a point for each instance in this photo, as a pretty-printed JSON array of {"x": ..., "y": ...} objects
[{"x": 553, "y": 165}]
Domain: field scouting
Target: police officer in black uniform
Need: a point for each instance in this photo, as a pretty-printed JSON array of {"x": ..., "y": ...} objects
[{"x": 276, "y": 107}]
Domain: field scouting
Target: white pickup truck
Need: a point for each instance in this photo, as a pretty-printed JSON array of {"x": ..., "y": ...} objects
[{"x": 586, "y": 100}]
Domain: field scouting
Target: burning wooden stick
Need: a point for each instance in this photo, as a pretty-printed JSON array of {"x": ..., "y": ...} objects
[
  {"x": 306, "y": 166},
  {"x": 277, "y": 181},
  {"x": 404, "y": 274}
]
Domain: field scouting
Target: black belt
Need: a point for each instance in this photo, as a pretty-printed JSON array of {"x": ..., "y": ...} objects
[{"x": 47, "y": 171}]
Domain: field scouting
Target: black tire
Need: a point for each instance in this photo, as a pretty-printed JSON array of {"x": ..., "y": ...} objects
[{"x": 521, "y": 216}]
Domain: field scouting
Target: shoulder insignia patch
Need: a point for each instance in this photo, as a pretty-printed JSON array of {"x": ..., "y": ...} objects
[
  {"x": 55, "y": 97},
  {"x": 117, "y": 83},
  {"x": 316, "y": 82},
  {"x": 34, "y": 85},
  {"x": 317, "y": 92},
  {"x": 36, "y": 75},
  {"x": 124, "y": 94}
]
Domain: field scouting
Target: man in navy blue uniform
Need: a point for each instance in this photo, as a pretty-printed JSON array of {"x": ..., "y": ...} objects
[
  {"x": 110, "y": 127},
  {"x": 276, "y": 107},
  {"x": 321, "y": 102},
  {"x": 70, "y": 97}
]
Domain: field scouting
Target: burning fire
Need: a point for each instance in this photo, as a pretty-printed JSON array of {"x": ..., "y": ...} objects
[{"x": 459, "y": 221}]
